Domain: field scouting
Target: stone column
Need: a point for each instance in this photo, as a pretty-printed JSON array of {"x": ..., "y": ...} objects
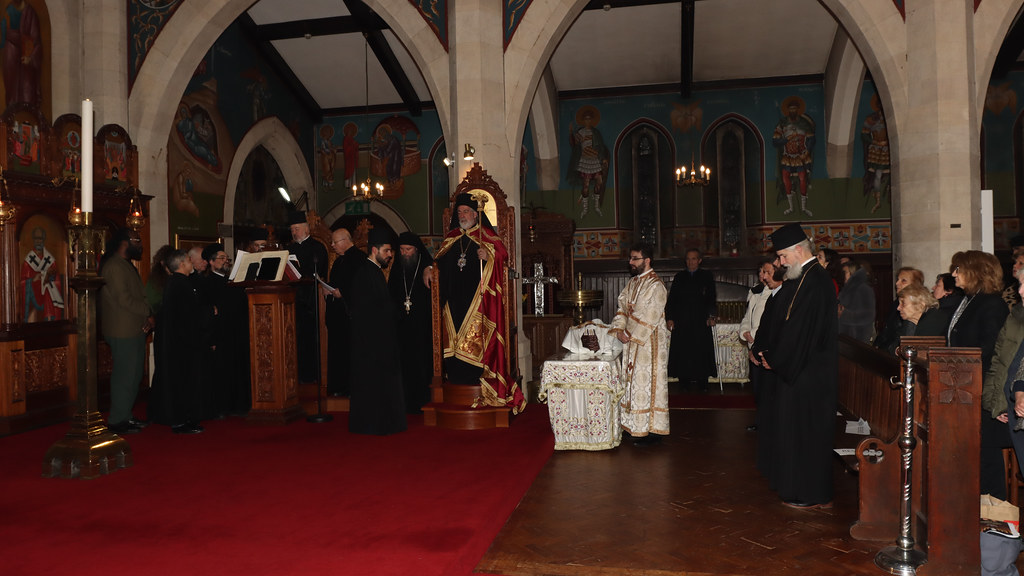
[
  {"x": 936, "y": 199},
  {"x": 477, "y": 82},
  {"x": 478, "y": 109},
  {"x": 105, "y": 60}
]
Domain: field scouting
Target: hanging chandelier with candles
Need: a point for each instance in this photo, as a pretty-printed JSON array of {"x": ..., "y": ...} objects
[
  {"x": 370, "y": 189},
  {"x": 696, "y": 177}
]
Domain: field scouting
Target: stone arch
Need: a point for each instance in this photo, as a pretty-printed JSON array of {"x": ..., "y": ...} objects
[
  {"x": 844, "y": 77},
  {"x": 394, "y": 219},
  {"x": 526, "y": 58},
  {"x": 879, "y": 32},
  {"x": 424, "y": 47},
  {"x": 182, "y": 44},
  {"x": 273, "y": 135},
  {"x": 992, "y": 21},
  {"x": 160, "y": 84}
]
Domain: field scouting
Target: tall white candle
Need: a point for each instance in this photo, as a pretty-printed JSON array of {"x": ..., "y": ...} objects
[{"x": 87, "y": 149}]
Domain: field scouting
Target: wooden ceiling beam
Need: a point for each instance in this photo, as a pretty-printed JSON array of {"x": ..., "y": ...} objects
[{"x": 366, "y": 19}]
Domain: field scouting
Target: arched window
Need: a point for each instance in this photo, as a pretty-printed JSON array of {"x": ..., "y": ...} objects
[
  {"x": 734, "y": 152},
  {"x": 645, "y": 174}
]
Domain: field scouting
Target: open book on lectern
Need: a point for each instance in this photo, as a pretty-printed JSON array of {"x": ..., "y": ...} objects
[{"x": 272, "y": 266}]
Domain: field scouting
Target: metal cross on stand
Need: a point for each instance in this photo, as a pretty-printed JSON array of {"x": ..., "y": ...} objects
[{"x": 539, "y": 280}]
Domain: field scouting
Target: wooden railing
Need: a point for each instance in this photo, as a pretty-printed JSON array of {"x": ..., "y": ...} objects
[{"x": 944, "y": 467}]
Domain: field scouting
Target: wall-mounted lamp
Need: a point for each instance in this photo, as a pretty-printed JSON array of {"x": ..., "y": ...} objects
[
  {"x": 6, "y": 209},
  {"x": 470, "y": 152},
  {"x": 449, "y": 160},
  {"x": 284, "y": 194}
]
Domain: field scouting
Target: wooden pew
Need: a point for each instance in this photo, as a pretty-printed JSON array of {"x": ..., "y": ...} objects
[{"x": 946, "y": 426}]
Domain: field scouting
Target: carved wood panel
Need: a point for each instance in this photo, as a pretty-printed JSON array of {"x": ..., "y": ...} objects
[
  {"x": 263, "y": 334},
  {"x": 46, "y": 369}
]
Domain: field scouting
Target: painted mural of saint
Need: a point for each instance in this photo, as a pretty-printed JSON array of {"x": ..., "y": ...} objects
[
  {"x": 42, "y": 295},
  {"x": 875, "y": 142},
  {"x": 589, "y": 160},
  {"x": 350, "y": 151},
  {"x": 794, "y": 138},
  {"x": 328, "y": 156},
  {"x": 22, "y": 53},
  {"x": 389, "y": 148}
]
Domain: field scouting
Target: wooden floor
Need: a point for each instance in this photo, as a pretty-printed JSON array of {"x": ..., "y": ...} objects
[{"x": 693, "y": 505}]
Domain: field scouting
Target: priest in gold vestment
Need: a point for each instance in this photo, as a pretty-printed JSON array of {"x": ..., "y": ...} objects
[{"x": 640, "y": 325}]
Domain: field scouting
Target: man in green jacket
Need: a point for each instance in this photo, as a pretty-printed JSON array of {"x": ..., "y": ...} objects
[{"x": 126, "y": 320}]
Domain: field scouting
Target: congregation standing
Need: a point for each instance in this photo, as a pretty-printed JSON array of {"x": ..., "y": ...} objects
[{"x": 378, "y": 317}]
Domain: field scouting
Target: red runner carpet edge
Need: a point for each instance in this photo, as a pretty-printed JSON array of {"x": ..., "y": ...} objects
[{"x": 277, "y": 500}]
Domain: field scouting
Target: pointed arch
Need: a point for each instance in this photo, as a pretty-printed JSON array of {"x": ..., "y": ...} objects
[
  {"x": 273, "y": 135},
  {"x": 393, "y": 218},
  {"x": 992, "y": 21}
]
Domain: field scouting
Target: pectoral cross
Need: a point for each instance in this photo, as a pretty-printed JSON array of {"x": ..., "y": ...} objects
[
  {"x": 539, "y": 280},
  {"x": 408, "y": 304}
]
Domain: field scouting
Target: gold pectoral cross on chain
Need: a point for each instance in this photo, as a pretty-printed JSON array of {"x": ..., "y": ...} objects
[{"x": 408, "y": 304}]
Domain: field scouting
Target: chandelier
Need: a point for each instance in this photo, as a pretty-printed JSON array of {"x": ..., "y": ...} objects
[
  {"x": 697, "y": 177},
  {"x": 370, "y": 189}
]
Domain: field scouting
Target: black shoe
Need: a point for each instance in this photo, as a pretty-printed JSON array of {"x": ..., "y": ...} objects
[
  {"x": 123, "y": 428},
  {"x": 752, "y": 428},
  {"x": 140, "y": 424},
  {"x": 649, "y": 440}
]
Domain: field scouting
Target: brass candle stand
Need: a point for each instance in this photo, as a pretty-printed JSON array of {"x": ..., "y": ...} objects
[
  {"x": 580, "y": 299},
  {"x": 89, "y": 449}
]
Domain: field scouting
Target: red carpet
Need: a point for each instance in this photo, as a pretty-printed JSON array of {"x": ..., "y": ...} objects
[
  {"x": 711, "y": 401},
  {"x": 252, "y": 500}
]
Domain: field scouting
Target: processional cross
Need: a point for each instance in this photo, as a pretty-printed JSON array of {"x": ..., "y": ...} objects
[{"x": 539, "y": 280}]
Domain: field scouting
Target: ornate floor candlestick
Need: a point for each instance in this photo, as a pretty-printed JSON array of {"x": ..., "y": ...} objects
[
  {"x": 89, "y": 449},
  {"x": 903, "y": 559}
]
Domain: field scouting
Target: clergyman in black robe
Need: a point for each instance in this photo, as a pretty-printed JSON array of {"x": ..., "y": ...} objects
[
  {"x": 804, "y": 354},
  {"x": 690, "y": 313},
  {"x": 230, "y": 390},
  {"x": 377, "y": 403},
  {"x": 339, "y": 324},
  {"x": 767, "y": 380},
  {"x": 415, "y": 333},
  {"x": 176, "y": 399},
  {"x": 312, "y": 257}
]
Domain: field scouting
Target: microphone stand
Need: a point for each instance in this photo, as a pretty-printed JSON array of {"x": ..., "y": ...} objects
[{"x": 320, "y": 417}]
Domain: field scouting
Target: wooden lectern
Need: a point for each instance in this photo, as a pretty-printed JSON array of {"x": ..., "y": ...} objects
[{"x": 274, "y": 368}]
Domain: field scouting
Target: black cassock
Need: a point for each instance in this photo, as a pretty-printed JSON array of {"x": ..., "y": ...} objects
[
  {"x": 339, "y": 325},
  {"x": 176, "y": 393},
  {"x": 457, "y": 288},
  {"x": 804, "y": 355},
  {"x": 230, "y": 391},
  {"x": 691, "y": 301},
  {"x": 767, "y": 381},
  {"x": 415, "y": 333},
  {"x": 377, "y": 404},
  {"x": 312, "y": 257}
]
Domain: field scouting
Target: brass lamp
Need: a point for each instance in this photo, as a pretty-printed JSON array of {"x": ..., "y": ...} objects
[{"x": 6, "y": 209}]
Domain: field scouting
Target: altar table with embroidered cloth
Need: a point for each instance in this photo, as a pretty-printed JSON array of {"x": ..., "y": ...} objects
[
  {"x": 733, "y": 364},
  {"x": 582, "y": 392}
]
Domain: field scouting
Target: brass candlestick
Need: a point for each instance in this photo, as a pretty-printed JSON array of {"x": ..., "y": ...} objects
[
  {"x": 89, "y": 449},
  {"x": 580, "y": 299}
]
